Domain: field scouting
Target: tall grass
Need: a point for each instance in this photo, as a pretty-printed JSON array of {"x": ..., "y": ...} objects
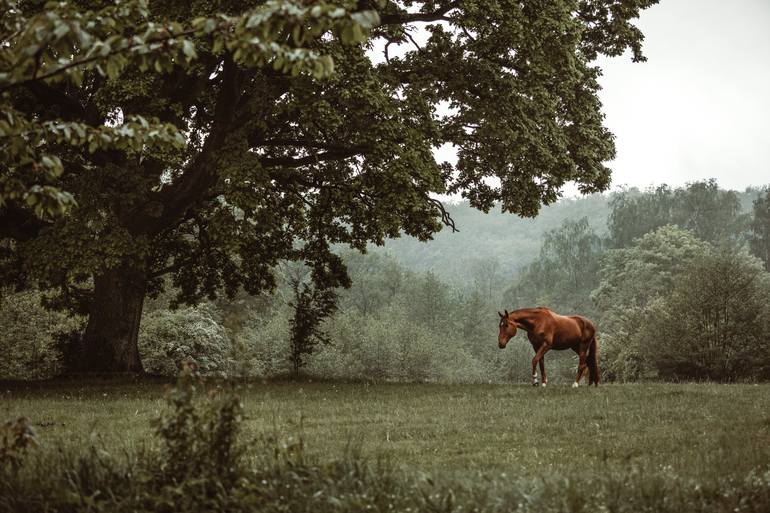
[{"x": 202, "y": 457}]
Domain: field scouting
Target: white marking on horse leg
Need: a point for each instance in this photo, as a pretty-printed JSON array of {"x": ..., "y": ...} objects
[
  {"x": 544, "y": 382},
  {"x": 575, "y": 384}
]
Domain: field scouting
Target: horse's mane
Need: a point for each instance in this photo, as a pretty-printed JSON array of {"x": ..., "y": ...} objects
[
  {"x": 526, "y": 323},
  {"x": 536, "y": 309}
]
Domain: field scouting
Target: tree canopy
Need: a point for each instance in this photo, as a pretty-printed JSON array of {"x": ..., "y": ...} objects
[{"x": 206, "y": 141}]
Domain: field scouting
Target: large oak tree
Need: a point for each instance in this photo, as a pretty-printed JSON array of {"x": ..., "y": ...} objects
[{"x": 215, "y": 145}]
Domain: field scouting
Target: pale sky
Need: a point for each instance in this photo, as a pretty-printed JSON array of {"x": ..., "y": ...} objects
[{"x": 700, "y": 106}]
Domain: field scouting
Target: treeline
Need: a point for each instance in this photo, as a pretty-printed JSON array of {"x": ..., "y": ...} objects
[{"x": 676, "y": 279}]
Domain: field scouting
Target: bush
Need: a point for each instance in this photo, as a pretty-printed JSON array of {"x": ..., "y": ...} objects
[
  {"x": 167, "y": 338},
  {"x": 28, "y": 339},
  {"x": 262, "y": 346},
  {"x": 199, "y": 440},
  {"x": 623, "y": 354},
  {"x": 390, "y": 347}
]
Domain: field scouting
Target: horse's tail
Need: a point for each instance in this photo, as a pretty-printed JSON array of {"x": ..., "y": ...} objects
[{"x": 592, "y": 359}]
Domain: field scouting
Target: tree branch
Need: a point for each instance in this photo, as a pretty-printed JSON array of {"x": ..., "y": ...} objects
[
  {"x": 407, "y": 17},
  {"x": 93, "y": 58},
  {"x": 201, "y": 174},
  {"x": 305, "y": 143},
  {"x": 316, "y": 158},
  {"x": 445, "y": 217}
]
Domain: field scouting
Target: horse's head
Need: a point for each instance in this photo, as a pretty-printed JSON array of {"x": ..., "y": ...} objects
[{"x": 507, "y": 330}]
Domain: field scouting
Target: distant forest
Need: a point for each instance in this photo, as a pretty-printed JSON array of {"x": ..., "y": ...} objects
[
  {"x": 676, "y": 279},
  {"x": 511, "y": 240}
]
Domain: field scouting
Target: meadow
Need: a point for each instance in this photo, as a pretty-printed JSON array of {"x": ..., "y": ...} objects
[{"x": 466, "y": 432}]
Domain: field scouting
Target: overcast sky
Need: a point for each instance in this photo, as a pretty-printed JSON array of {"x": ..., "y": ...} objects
[{"x": 700, "y": 106}]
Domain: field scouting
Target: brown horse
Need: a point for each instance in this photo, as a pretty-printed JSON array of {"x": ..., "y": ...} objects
[{"x": 548, "y": 330}]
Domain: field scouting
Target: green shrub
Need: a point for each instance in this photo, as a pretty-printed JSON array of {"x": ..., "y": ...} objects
[
  {"x": 167, "y": 338},
  {"x": 28, "y": 339},
  {"x": 262, "y": 346},
  {"x": 390, "y": 347},
  {"x": 199, "y": 451},
  {"x": 16, "y": 437}
]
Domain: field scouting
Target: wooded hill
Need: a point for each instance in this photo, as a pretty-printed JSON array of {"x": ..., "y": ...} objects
[{"x": 511, "y": 240}]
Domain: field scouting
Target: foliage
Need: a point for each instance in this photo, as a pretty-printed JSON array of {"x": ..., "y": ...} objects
[
  {"x": 376, "y": 278},
  {"x": 168, "y": 338},
  {"x": 760, "y": 229},
  {"x": 714, "y": 323},
  {"x": 64, "y": 42},
  {"x": 387, "y": 347},
  {"x": 262, "y": 347},
  {"x": 199, "y": 450},
  {"x": 16, "y": 438},
  {"x": 632, "y": 276},
  {"x": 483, "y": 238},
  {"x": 28, "y": 339}
]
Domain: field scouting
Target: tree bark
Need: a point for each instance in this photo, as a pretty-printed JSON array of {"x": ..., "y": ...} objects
[{"x": 110, "y": 343}]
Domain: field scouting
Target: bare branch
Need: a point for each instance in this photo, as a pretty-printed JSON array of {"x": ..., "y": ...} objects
[
  {"x": 316, "y": 158},
  {"x": 405, "y": 17},
  {"x": 445, "y": 217}
]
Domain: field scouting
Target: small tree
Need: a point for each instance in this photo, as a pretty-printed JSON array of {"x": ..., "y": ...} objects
[
  {"x": 312, "y": 305},
  {"x": 760, "y": 229}
]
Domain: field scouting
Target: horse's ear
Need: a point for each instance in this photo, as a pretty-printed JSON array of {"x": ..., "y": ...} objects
[
  {"x": 501, "y": 315},
  {"x": 506, "y": 313}
]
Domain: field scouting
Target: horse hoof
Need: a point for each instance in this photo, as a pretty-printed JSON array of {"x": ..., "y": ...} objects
[
  {"x": 575, "y": 385},
  {"x": 542, "y": 385},
  {"x": 534, "y": 384}
]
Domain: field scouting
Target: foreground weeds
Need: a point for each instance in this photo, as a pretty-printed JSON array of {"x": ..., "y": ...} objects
[{"x": 199, "y": 463}]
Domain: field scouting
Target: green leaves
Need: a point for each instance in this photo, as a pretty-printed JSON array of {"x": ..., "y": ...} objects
[
  {"x": 62, "y": 43},
  {"x": 32, "y": 169},
  {"x": 94, "y": 39}
]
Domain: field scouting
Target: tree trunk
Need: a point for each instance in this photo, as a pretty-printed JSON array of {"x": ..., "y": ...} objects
[{"x": 110, "y": 343}]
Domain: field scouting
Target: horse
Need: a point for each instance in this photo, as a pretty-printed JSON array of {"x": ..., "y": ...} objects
[{"x": 548, "y": 330}]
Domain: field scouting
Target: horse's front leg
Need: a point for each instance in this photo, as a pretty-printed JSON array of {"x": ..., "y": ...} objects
[
  {"x": 542, "y": 371},
  {"x": 539, "y": 359}
]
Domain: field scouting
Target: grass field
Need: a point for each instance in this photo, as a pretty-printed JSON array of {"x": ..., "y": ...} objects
[{"x": 457, "y": 431}]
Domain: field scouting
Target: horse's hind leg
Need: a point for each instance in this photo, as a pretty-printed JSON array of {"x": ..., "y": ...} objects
[{"x": 582, "y": 366}]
